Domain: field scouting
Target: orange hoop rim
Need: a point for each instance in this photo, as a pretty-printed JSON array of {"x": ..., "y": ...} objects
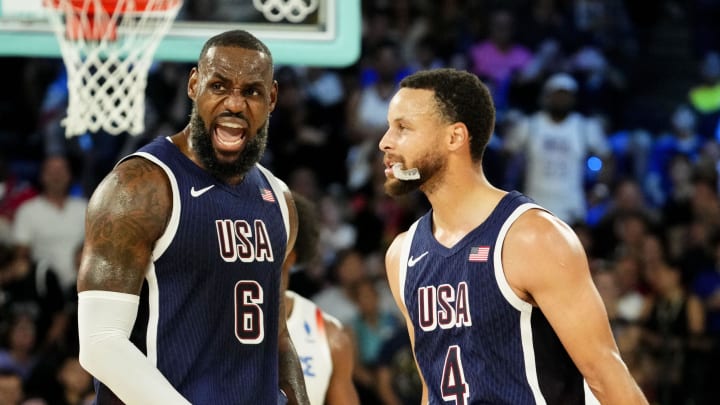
[{"x": 111, "y": 6}]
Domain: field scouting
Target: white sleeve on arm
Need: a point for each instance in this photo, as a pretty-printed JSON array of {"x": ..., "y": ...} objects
[{"x": 105, "y": 320}]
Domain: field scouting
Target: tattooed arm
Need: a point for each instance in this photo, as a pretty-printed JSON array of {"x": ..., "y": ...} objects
[{"x": 126, "y": 215}]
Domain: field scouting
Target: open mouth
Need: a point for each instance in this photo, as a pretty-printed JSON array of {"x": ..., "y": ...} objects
[{"x": 230, "y": 134}]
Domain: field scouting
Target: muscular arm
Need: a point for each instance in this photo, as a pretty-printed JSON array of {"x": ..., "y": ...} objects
[
  {"x": 292, "y": 381},
  {"x": 392, "y": 266},
  {"x": 545, "y": 265},
  {"x": 341, "y": 390},
  {"x": 126, "y": 215}
]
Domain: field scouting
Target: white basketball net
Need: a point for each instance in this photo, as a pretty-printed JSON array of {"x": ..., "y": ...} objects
[
  {"x": 294, "y": 11},
  {"x": 108, "y": 56}
]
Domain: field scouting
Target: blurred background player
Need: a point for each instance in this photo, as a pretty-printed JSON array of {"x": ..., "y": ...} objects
[
  {"x": 325, "y": 350},
  {"x": 555, "y": 143}
]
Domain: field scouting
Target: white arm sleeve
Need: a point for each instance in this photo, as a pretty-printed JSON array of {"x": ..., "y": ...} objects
[{"x": 105, "y": 320}]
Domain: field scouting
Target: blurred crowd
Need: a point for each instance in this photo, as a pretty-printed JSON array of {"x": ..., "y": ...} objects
[{"x": 638, "y": 180}]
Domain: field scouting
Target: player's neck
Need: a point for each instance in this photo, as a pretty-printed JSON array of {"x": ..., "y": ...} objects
[{"x": 461, "y": 203}]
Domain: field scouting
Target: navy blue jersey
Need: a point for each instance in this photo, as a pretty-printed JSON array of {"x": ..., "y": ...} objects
[
  {"x": 209, "y": 310},
  {"x": 476, "y": 341}
]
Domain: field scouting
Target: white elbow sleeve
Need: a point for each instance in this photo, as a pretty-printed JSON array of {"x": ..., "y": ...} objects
[{"x": 105, "y": 320}]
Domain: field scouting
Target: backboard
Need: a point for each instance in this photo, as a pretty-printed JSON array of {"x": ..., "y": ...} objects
[{"x": 319, "y": 33}]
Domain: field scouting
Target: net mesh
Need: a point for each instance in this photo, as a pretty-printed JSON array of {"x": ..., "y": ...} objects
[{"x": 108, "y": 47}]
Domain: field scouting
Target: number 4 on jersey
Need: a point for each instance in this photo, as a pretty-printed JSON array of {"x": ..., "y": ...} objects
[{"x": 454, "y": 387}]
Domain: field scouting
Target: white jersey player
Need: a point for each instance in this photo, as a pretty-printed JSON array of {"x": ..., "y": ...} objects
[
  {"x": 324, "y": 348},
  {"x": 556, "y": 143}
]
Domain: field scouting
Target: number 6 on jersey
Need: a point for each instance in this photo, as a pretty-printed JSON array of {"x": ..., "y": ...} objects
[{"x": 249, "y": 327}]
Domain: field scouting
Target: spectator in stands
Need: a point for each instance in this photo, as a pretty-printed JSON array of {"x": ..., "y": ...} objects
[
  {"x": 706, "y": 286},
  {"x": 681, "y": 139},
  {"x": 371, "y": 328},
  {"x": 498, "y": 59},
  {"x": 555, "y": 143},
  {"x": 336, "y": 298},
  {"x": 398, "y": 381},
  {"x": 349, "y": 268},
  {"x": 705, "y": 95},
  {"x": 11, "y": 389},
  {"x": 18, "y": 350},
  {"x": 326, "y": 97},
  {"x": 49, "y": 227},
  {"x": 336, "y": 232},
  {"x": 674, "y": 324},
  {"x": 424, "y": 56},
  {"x": 626, "y": 199},
  {"x": 13, "y": 192},
  {"x": 450, "y": 27},
  {"x": 30, "y": 288},
  {"x": 304, "y": 137},
  {"x": 606, "y": 23},
  {"x": 366, "y": 111}
]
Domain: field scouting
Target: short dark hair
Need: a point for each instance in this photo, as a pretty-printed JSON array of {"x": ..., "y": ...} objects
[
  {"x": 236, "y": 38},
  {"x": 306, "y": 243},
  {"x": 461, "y": 97}
]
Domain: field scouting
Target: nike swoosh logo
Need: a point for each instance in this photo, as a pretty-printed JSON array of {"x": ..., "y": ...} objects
[
  {"x": 198, "y": 193},
  {"x": 413, "y": 260}
]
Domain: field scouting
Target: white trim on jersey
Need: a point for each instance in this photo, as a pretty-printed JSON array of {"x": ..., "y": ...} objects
[
  {"x": 404, "y": 256},
  {"x": 590, "y": 398},
  {"x": 525, "y": 308},
  {"x": 507, "y": 292},
  {"x": 167, "y": 237},
  {"x": 279, "y": 187},
  {"x": 162, "y": 244},
  {"x": 153, "y": 314}
]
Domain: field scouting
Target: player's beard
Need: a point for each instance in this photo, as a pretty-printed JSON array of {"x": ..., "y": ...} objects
[
  {"x": 202, "y": 144},
  {"x": 431, "y": 167}
]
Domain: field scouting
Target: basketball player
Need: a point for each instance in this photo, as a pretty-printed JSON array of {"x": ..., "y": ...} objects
[
  {"x": 325, "y": 350},
  {"x": 180, "y": 280},
  {"x": 496, "y": 291}
]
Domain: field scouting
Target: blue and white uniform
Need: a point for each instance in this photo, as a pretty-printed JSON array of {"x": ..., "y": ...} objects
[
  {"x": 209, "y": 307},
  {"x": 308, "y": 331},
  {"x": 476, "y": 341}
]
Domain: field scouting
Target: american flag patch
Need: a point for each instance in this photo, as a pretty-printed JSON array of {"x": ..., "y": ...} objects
[
  {"x": 267, "y": 195},
  {"x": 479, "y": 254}
]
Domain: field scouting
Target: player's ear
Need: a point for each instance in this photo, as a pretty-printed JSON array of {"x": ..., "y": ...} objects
[
  {"x": 273, "y": 96},
  {"x": 458, "y": 136},
  {"x": 192, "y": 84}
]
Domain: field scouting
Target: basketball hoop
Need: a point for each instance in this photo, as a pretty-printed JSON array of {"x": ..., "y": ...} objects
[{"x": 107, "y": 47}]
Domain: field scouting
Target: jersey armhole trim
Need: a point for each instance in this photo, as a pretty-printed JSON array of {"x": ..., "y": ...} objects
[
  {"x": 279, "y": 188},
  {"x": 167, "y": 236},
  {"x": 160, "y": 247},
  {"x": 507, "y": 291},
  {"x": 404, "y": 255}
]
